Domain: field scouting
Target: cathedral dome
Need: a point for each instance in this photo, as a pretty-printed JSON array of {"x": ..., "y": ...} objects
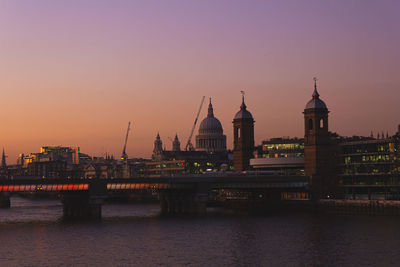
[
  {"x": 210, "y": 125},
  {"x": 211, "y": 136},
  {"x": 315, "y": 102}
]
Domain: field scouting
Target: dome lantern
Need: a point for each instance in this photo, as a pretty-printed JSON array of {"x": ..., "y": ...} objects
[
  {"x": 210, "y": 110},
  {"x": 243, "y": 113},
  {"x": 315, "y": 102}
]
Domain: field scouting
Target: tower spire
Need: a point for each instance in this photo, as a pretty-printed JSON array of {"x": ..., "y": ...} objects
[
  {"x": 243, "y": 106},
  {"x": 157, "y": 145},
  {"x": 3, "y": 159},
  {"x": 315, "y": 94},
  {"x": 176, "y": 145}
]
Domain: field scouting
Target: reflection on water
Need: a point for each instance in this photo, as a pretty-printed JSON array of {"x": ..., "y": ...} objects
[{"x": 135, "y": 235}]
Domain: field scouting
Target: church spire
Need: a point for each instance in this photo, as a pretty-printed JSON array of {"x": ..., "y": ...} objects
[
  {"x": 243, "y": 106},
  {"x": 315, "y": 94},
  {"x": 3, "y": 159},
  {"x": 157, "y": 145},
  {"x": 176, "y": 144},
  {"x": 210, "y": 110}
]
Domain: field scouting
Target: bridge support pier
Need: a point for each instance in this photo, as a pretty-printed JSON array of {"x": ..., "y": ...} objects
[
  {"x": 5, "y": 200},
  {"x": 78, "y": 205},
  {"x": 182, "y": 202},
  {"x": 264, "y": 201}
]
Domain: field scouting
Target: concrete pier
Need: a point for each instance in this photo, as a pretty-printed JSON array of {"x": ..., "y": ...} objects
[
  {"x": 181, "y": 202},
  {"x": 5, "y": 200},
  {"x": 78, "y": 205},
  {"x": 85, "y": 205}
]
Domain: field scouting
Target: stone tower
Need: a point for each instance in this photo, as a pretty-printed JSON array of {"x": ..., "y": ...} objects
[
  {"x": 158, "y": 149},
  {"x": 176, "y": 145},
  {"x": 3, "y": 162},
  {"x": 243, "y": 135},
  {"x": 319, "y": 148}
]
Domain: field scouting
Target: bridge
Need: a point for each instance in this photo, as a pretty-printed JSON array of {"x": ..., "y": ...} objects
[{"x": 82, "y": 198}]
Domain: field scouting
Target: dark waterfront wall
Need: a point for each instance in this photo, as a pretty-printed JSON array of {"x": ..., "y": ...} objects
[
  {"x": 355, "y": 207},
  {"x": 322, "y": 207}
]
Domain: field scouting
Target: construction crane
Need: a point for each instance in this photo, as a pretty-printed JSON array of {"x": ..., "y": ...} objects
[
  {"x": 189, "y": 145},
  {"x": 124, "y": 155}
]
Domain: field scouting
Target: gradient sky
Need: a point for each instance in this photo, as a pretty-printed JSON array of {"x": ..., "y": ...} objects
[{"x": 75, "y": 72}]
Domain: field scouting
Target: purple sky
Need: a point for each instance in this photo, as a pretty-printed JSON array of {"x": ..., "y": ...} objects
[{"x": 75, "y": 72}]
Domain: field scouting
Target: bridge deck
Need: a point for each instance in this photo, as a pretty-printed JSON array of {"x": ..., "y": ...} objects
[{"x": 240, "y": 182}]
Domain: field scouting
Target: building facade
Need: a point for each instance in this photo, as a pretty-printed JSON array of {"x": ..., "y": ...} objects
[
  {"x": 279, "y": 156},
  {"x": 370, "y": 167}
]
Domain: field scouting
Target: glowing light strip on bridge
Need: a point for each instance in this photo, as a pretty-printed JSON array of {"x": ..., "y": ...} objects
[
  {"x": 136, "y": 186},
  {"x": 44, "y": 187},
  {"x": 123, "y": 186}
]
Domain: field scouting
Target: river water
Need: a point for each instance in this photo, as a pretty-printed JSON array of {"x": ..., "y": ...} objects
[{"x": 32, "y": 234}]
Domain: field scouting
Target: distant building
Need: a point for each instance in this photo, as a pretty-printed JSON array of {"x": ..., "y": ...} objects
[
  {"x": 176, "y": 144},
  {"x": 47, "y": 169},
  {"x": 370, "y": 167},
  {"x": 164, "y": 168},
  {"x": 158, "y": 149},
  {"x": 4, "y": 169},
  {"x": 68, "y": 154},
  {"x": 137, "y": 168},
  {"x": 177, "y": 162},
  {"x": 71, "y": 155},
  {"x": 210, "y": 154},
  {"x": 51, "y": 162},
  {"x": 211, "y": 136},
  {"x": 282, "y": 147},
  {"x": 280, "y": 156}
]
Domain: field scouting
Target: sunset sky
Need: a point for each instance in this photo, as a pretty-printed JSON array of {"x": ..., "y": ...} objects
[{"x": 74, "y": 72}]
